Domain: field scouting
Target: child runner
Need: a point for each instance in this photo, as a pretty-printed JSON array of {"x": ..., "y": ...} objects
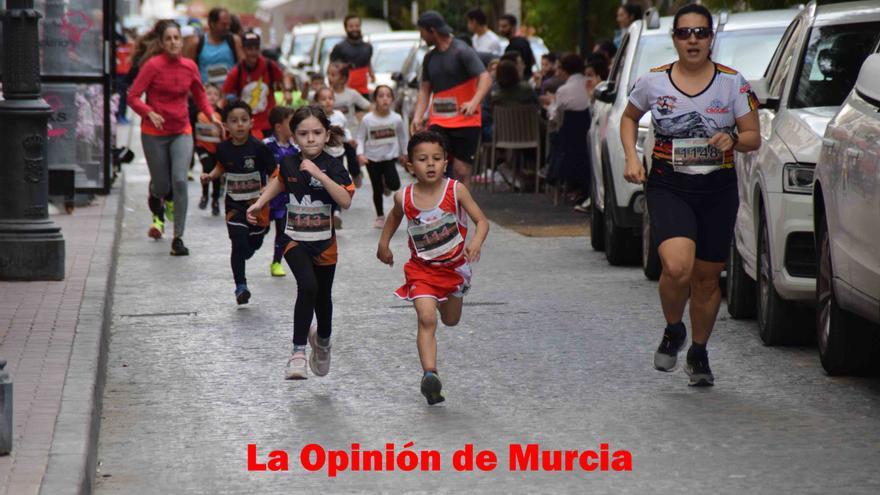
[
  {"x": 350, "y": 103},
  {"x": 247, "y": 163},
  {"x": 327, "y": 100},
  {"x": 438, "y": 272},
  {"x": 281, "y": 144},
  {"x": 317, "y": 184},
  {"x": 208, "y": 136},
  {"x": 381, "y": 140}
]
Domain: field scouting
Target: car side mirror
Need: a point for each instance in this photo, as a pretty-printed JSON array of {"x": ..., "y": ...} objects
[
  {"x": 606, "y": 92},
  {"x": 765, "y": 100},
  {"x": 396, "y": 77},
  {"x": 868, "y": 75}
]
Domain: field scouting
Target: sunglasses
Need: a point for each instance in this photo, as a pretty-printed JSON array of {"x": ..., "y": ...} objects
[{"x": 685, "y": 33}]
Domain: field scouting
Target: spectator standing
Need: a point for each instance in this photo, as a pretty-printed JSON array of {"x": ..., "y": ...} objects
[
  {"x": 507, "y": 25},
  {"x": 483, "y": 39},
  {"x": 357, "y": 53}
]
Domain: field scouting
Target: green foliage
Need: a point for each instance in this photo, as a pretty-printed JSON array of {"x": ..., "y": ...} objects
[{"x": 234, "y": 6}]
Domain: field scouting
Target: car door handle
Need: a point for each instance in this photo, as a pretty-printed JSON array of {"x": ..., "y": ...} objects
[
  {"x": 829, "y": 143},
  {"x": 854, "y": 154}
]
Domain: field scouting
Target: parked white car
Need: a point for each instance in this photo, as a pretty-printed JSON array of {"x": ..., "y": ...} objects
[
  {"x": 846, "y": 205},
  {"x": 616, "y": 215},
  {"x": 743, "y": 41},
  {"x": 808, "y": 78},
  {"x": 389, "y": 53}
]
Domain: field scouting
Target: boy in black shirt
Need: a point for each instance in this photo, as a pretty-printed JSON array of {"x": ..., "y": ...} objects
[{"x": 247, "y": 164}]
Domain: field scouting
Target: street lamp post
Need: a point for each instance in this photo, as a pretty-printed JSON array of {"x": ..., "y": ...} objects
[{"x": 31, "y": 245}]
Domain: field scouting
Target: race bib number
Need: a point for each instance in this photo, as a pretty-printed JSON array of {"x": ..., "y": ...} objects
[
  {"x": 207, "y": 133},
  {"x": 309, "y": 223},
  {"x": 434, "y": 239},
  {"x": 243, "y": 187},
  {"x": 217, "y": 74},
  {"x": 696, "y": 156},
  {"x": 385, "y": 134},
  {"x": 445, "y": 107}
]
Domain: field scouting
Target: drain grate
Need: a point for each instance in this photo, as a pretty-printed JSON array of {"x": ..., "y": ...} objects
[{"x": 159, "y": 315}]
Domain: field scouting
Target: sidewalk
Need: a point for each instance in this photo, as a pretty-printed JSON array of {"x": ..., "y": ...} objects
[{"x": 53, "y": 336}]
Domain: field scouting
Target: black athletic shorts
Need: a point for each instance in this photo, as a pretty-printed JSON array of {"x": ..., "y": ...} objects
[
  {"x": 237, "y": 224},
  {"x": 461, "y": 143},
  {"x": 700, "y": 207}
]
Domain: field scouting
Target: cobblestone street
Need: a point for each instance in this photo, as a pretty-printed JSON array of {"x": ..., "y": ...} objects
[{"x": 555, "y": 347}]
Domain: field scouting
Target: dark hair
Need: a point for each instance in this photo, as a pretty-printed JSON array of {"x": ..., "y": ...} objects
[
  {"x": 348, "y": 18},
  {"x": 572, "y": 63},
  {"x": 598, "y": 64},
  {"x": 551, "y": 57},
  {"x": 633, "y": 9},
  {"x": 376, "y": 91},
  {"x": 317, "y": 112},
  {"x": 316, "y": 75},
  {"x": 693, "y": 8},
  {"x": 512, "y": 56},
  {"x": 425, "y": 137},
  {"x": 343, "y": 69},
  {"x": 278, "y": 115},
  {"x": 510, "y": 18},
  {"x": 235, "y": 26},
  {"x": 608, "y": 48},
  {"x": 507, "y": 74},
  {"x": 321, "y": 90},
  {"x": 215, "y": 13},
  {"x": 162, "y": 26},
  {"x": 477, "y": 15},
  {"x": 235, "y": 105}
]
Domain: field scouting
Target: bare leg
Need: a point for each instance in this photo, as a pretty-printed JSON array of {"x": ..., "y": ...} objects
[
  {"x": 705, "y": 299},
  {"x": 462, "y": 171},
  {"x": 677, "y": 257},
  {"x": 426, "y": 310},
  {"x": 450, "y": 311}
]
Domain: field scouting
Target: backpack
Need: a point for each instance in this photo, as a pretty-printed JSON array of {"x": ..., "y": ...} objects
[{"x": 230, "y": 40}]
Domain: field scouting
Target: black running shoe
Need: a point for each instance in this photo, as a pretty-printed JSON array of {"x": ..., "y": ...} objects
[
  {"x": 699, "y": 372},
  {"x": 666, "y": 357},
  {"x": 431, "y": 388},
  {"x": 242, "y": 294},
  {"x": 177, "y": 248},
  {"x": 215, "y": 208},
  {"x": 203, "y": 202}
]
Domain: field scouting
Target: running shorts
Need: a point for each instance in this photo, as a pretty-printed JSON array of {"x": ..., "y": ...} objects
[
  {"x": 434, "y": 280},
  {"x": 461, "y": 143}
]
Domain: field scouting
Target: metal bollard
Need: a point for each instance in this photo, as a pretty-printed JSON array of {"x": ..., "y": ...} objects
[{"x": 5, "y": 410}]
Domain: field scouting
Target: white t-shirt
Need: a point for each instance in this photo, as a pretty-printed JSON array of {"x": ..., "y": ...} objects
[
  {"x": 679, "y": 116},
  {"x": 349, "y": 102},
  {"x": 489, "y": 42},
  {"x": 381, "y": 138},
  {"x": 336, "y": 118},
  {"x": 570, "y": 96}
]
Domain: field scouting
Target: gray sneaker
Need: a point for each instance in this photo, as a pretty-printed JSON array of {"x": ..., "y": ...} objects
[
  {"x": 296, "y": 366},
  {"x": 319, "y": 359},
  {"x": 666, "y": 356}
]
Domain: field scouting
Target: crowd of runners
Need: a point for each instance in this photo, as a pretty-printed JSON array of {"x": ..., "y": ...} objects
[{"x": 297, "y": 162}]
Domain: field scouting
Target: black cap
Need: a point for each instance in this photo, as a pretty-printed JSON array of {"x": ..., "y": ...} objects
[
  {"x": 250, "y": 39},
  {"x": 433, "y": 20}
]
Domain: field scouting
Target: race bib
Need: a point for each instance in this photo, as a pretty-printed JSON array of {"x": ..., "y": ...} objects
[
  {"x": 207, "y": 133},
  {"x": 309, "y": 223},
  {"x": 243, "y": 187},
  {"x": 435, "y": 239},
  {"x": 385, "y": 134},
  {"x": 445, "y": 107},
  {"x": 696, "y": 156},
  {"x": 217, "y": 73}
]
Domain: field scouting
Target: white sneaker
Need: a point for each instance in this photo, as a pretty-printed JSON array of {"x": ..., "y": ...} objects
[
  {"x": 379, "y": 223},
  {"x": 296, "y": 366},
  {"x": 319, "y": 359}
]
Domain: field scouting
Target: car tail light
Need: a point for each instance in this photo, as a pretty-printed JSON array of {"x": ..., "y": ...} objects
[{"x": 797, "y": 178}]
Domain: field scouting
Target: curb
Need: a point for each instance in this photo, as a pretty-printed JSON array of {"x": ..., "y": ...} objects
[{"x": 72, "y": 457}]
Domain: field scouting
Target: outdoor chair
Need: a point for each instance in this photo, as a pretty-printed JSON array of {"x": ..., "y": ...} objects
[{"x": 517, "y": 128}]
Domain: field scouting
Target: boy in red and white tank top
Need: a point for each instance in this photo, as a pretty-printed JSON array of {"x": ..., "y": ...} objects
[{"x": 438, "y": 272}]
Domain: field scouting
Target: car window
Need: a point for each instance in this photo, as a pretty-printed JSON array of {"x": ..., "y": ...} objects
[
  {"x": 786, "y": 56},
  {"x": 415, "y": 65},
  {"x": 302, "y": 44},
  {"x": 389, "y": 57},
  {"x": 831, "y": 63},
  {"x": 783, "y": 43},
  {"x": 327, "y": 45},
  {"x": 653, "y": 51},
  {"x": 748, "y": 51},
  {"x": 619, "y": 59}
]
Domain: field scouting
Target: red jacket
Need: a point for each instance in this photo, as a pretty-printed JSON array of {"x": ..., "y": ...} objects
[{"x": 168, "y": 81}]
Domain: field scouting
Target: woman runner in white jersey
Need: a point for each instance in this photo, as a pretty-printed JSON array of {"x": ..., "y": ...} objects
[{"x": 702, "y": 112}]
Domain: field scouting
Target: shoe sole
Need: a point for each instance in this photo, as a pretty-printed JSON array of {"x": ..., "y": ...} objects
[
  {"x": 154, "y": 233},
  {"x": 431, "y": 389},
  {"x": 176, "y": 253},
  {"x": 279, "y": 274},
  {"x": 313, "y": 363},
  {"x": 665, "y": 362},
  {"x": 243, "y": 298},
  {"x": 296, "y": 376},
  {"x": 699, "y": 379}
]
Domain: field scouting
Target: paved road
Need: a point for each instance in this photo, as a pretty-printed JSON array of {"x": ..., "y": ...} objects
[{"x": 555, "y": 348}]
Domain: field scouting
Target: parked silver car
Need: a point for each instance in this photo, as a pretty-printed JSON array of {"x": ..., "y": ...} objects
[
  {"x": 809, "y": 77},
  {"x": 846, "y": 206}
]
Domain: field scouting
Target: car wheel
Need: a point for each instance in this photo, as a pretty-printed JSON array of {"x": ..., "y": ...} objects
[
  {"x": 740, "y": 287},
  {"x": 774, "y": 313},
  {"x": 619, "y": 242},
  {"x": 650, "y": 257},
  {"x": 597, "y": 223},
  {"x": 844, "y": 340}
]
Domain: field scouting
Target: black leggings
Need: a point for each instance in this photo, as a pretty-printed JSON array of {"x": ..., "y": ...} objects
[
  {"x": 314, "y": 285},
  {"x": 280, "y": 239},
  {"x": 354, "y": 168},
  {"x": 208, "y": 162},
  {"x": 382, "y": 175},
  {"x": 243, "y": 247}
]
